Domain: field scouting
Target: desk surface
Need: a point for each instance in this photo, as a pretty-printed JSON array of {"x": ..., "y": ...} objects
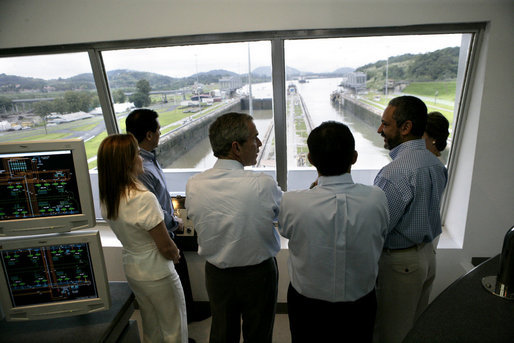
[
  {"x": 467, "y": 312},
  {"x": 88, "y": 328}
]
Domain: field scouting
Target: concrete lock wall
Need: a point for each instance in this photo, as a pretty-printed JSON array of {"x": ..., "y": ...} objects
[
  {"x": 176, "y": 143},
  {"x": 258, "y": 104},
  {"x": 368, "y": 114}
]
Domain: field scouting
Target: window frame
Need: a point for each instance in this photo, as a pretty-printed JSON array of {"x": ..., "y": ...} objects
[{"x": 277, "y": 39}]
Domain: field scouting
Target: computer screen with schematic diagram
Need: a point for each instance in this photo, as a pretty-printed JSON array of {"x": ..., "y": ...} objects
[
  {"x": 52, "y": 275},
  {"x": 44, "y": 188}
]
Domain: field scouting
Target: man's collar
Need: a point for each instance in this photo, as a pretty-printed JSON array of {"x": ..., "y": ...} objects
[
  {"x": 227, "y": 164},
  {"x": 335, "y": 179},
  {"x": 147, "y": 154},
  {"x": 413, "y": 144}
]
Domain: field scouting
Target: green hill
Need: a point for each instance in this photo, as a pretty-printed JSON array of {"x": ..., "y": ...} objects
[{"x": 439, "y": 65}]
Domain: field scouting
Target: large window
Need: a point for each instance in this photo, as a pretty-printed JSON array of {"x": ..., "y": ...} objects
[
  {"x": 352, "y": 79},
  {"x": 296, "y": 80},
  {"x": 50, "y": 97}
]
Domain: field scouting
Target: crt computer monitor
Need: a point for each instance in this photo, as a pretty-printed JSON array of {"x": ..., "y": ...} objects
[
  {"x": 52, "y": 275},
  {"x": 44, "y": 187}
]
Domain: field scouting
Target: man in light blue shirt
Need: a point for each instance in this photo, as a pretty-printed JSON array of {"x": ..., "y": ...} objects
[
  {"x": 233, "y": 211},
  {"x": 336, "y": 233},
  {"x": 413, "y": 183}
]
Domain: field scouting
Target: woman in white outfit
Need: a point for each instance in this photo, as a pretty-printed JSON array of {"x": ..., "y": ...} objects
[{"x": 136, "y": 218}]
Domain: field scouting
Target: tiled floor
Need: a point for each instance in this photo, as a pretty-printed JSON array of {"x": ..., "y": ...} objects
[{"x": 199, "y": 331}]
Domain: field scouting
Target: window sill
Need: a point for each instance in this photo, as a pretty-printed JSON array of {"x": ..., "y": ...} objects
[{"x": 446, "y": 241}]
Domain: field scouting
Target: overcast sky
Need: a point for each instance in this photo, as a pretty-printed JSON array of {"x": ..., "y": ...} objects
[{"x": 315, "y": 55}]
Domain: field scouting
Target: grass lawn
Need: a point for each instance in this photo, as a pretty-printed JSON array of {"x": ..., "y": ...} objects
[
  {"x": 87, "y": 127},
  {"x": 445, "y": 90},
  {"x": 170, "y": 128},
  {"x": 43, "y": 136},
  {"x": 168, "y": 117},
  {"x": 442, "y": 103}
]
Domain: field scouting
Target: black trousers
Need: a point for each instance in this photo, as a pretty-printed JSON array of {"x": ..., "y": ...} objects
[
  {"x": 183, "y": 274},
  {"x": 248, "y": 293},
  {"x": 313, "y": 320}
]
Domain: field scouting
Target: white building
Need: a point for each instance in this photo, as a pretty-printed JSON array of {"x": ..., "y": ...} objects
[
  {"x": 355, "y": 80},
  {"x": 5, "y": 125}
]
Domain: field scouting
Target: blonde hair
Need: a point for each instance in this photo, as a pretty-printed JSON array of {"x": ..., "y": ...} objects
[{"x": 116, "y": 156}]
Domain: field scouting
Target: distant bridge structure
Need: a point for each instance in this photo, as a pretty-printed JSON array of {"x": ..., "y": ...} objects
[
  {"x": 27, "y": 104},
  {"x": 163, "y": 93},
  {"x": 173, "y": 91}
]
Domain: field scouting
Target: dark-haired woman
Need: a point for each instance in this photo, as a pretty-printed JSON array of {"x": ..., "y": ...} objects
[
  {"x": 136, "y": 218},
  {"x": 436, "y": 132},
  {"x": 436, "y": 135}
]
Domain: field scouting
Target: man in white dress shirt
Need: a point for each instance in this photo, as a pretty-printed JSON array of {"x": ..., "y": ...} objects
[
  {"x": 336, "y": 232},
  {"x": 233, "y": 211}
]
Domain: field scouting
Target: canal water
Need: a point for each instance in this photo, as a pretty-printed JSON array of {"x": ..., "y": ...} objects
[{"x": 316, "y": 95}]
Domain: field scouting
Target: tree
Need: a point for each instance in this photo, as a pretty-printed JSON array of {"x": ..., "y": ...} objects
[
  {"x": 77, "y": 101},
  {"x": 95, "y": 101},
  {"x": 438, "y": 65},
  {"x": 60, "y": 105},
  {"x": 143, "y": 86},
  {"x": 141, "y": 97},
  {"x": 118, "y": 96},
  {"x": 395, "y": 72},
  {"x": 43, "y": 109},
  {"x": 5, "y": 104}
]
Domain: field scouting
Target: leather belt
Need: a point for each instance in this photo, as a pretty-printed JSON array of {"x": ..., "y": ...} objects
[{"x": 414, "y": 247}]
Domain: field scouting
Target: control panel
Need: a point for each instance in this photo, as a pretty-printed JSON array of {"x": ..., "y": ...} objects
[
  {"x": 181, "y": 212},
  {"x": 186, "y": 239}
]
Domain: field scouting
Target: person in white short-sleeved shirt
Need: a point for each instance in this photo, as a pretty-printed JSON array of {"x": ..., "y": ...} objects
[
  {"x": 149, "y": 254},
  {"x": 139, "y": 213}
]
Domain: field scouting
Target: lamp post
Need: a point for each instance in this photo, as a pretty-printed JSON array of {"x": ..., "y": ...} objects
[
  {"x": 197, "y": 86},
  {"x": 387, "y": 75},
  {"x": 250, "y": 83},
  {"x": 386, "y": 48}
]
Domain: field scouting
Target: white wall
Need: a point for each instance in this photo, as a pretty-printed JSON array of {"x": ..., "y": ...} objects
[{"x": 482, "y": 198}]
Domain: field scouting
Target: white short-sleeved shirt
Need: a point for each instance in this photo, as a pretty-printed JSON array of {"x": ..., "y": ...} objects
[{"x": 138, "y": 213}]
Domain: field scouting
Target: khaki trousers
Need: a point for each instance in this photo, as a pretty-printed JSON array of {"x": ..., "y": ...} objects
[{"x": 405, "y": 279}]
